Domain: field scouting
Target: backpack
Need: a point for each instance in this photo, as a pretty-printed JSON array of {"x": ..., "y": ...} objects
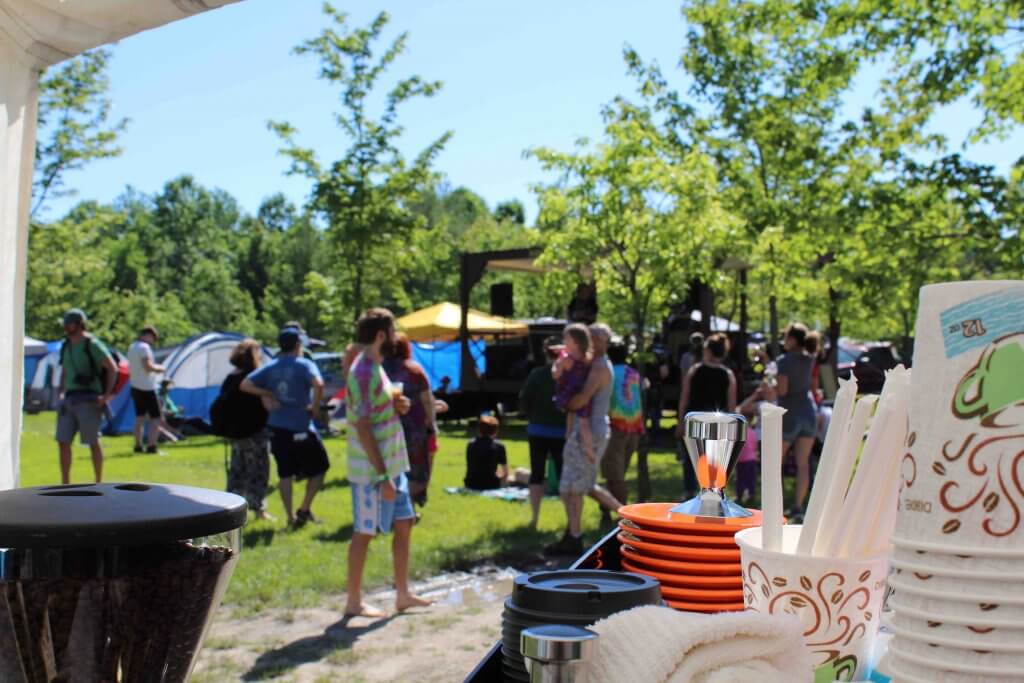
[
  {"x": 235, "y": 414},
  {"x": 94, "y": 371}
]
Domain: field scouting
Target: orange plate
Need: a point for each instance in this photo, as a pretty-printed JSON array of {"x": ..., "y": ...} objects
[
  {"x": 721, "y": 540},
  {"x": 680, "y": 552},
  {"x": 656, "y": 516},
  {"x": 687, "y": 580},
  {"x": 677, "y": 567},
  {"x": 706, "y": 606},
  {"x": 702, "y": 595}
]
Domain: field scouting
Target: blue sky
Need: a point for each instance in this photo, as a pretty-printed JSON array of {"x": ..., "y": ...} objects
[{"x": 516, "y": 75}]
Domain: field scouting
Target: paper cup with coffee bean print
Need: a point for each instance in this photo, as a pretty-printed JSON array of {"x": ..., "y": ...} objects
[
  {"x": 932, "y": 629},
  {"x": 1004, "y": 592},
  {"x": 837, "y": 600},
  {"x": 966, "y": 565},
  {"x": 963, "y": 471}
]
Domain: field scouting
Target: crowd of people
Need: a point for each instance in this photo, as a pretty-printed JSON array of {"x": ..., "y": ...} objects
[{"x": 584, "y": 409}]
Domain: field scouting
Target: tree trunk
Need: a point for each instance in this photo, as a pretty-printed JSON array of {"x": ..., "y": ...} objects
[
  {"x": 773, "y": 326},
  {"x": 834, "y": 328}
]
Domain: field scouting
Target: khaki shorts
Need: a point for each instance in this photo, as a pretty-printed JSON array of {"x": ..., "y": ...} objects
[
  {"x": 620, "y": 450},
  {"x": 83, "y": 417}
]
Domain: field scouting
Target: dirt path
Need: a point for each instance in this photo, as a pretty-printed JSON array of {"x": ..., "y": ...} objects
[{"x": 442, "y": 643}]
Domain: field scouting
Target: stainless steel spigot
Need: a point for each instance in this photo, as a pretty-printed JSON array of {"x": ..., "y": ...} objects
[
  {"x": 713, "y": 441},
  {"x": 554, "y": 653}
]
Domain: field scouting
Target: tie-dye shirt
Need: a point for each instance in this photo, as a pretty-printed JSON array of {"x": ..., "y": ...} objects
[
  {"x": 624, "y": 413},
  {"x": 368, "y": 394}
]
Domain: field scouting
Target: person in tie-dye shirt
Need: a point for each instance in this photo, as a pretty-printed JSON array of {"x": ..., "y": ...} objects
[
  {"x": 377, "y": 463},
  {"x": 625, "y": 416}
]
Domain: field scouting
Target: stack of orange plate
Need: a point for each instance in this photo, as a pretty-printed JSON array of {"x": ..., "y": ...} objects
[{"x": 695, "y": 559}]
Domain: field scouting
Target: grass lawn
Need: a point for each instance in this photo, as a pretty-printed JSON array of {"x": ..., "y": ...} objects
[{"x": 286, "y": 568}]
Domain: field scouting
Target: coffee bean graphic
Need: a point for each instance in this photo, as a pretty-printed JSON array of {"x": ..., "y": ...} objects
[
  {"x": 991, "y": 501},
  {"x": 939, "y": 468},
  {"x": 951, "y": 526}
]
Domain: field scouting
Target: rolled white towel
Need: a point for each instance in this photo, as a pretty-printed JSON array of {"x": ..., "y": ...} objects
[{"x": 661, "y": 645}]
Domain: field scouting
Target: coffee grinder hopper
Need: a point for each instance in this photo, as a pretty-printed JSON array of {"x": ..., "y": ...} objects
[{"x": 713, "y": 441}]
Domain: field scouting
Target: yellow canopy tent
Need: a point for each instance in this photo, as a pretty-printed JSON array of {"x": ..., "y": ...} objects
[{"x": 440, "y": 322}]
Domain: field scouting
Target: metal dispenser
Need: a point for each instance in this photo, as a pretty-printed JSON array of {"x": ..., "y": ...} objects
[
  {"x": 713, "y": 441},
  {"x": 554, "y": 653}
]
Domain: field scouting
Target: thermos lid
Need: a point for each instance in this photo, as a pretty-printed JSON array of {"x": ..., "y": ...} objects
[
  {"x": 94, "y": 515},
  {"x": 588, "y": 592}
]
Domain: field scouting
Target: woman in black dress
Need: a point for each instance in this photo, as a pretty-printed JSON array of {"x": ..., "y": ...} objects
[{"x": 708, "y": 386}]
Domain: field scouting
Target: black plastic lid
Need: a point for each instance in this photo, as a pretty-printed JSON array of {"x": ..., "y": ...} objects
[
  {"x": 94, "y": 515},
  {"x": 584, "y": 592}
]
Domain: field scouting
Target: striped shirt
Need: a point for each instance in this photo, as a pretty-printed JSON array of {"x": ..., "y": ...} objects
[
  {"x": 368, "y": 394},
  {"x": 625, "y": 412}
]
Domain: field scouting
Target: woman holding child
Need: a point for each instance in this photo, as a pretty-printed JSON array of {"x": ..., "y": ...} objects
[{"x": 584, "y": 387}]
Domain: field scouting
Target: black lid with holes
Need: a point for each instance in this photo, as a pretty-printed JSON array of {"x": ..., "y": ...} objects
[
  {"x": 95, "y": 515},
  {"x": 584, "y": 592}
]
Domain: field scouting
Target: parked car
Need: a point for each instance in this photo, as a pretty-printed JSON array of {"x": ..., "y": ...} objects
[{"x": 867, "y": 362}]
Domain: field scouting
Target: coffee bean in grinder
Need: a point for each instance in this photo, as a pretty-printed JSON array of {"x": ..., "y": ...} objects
[{"x": 112, "y": 582}]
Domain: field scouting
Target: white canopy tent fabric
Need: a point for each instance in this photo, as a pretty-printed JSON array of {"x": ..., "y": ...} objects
[{"x": 33, "y": 35}]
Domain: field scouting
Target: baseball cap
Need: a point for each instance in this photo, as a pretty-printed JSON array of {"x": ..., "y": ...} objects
[
  {"x": 75, "y": 315},
  {"x": 149, "y": 329},
  {"x": 288, "y": 337}
]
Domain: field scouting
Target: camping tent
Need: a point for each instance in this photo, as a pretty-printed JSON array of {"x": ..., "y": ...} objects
[
  {"x": 33, "y": 35},
  {"x": 42, "y": 384},
  {"x": 440, "y": 322},
  {"x": 35, "y": 351},
  {"x": 444, "y": 359},
  {"x": 197, "y": 367}
]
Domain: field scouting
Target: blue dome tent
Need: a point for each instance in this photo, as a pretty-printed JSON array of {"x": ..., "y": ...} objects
[{"x": 197, "y": 367}]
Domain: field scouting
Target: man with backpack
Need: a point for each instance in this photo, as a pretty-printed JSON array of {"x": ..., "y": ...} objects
[{"x": 88, "y": 378}]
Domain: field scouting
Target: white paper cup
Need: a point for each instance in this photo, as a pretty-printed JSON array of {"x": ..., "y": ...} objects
[
  {"x": 950, "y": 613},
  {"x": 966, "y": 419},
  {"x": 959, "y": 635},
  {"x": 962, "y": 566},
  {"x": 988, "y": 612},
  {"x": 986, "y": 590},
  {"x": 962, "y": 659},
  {"x": 839, "y": 601},
  {"x": 956, "y": 661},
  {"x": 907, "y": 670}
]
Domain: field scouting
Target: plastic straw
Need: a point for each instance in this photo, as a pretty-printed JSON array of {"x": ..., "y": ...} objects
[
  {"x": 836, "y": 492},
  {"x": 830, "y": 453},
  {"x": 771, "y": 475}
]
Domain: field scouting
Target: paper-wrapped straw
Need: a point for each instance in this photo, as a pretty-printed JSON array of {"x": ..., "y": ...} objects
[
  {"x": 873, "y": 529},
  {"x": 836, "y": 492},
  {"x": 861, "y": 504},
  {"x": 830, "y": 452},
  {"x": 771, "y": 475}
]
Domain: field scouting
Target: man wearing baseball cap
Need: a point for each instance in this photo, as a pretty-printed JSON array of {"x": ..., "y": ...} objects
[
  {"x": 144, "y": 374},
  {"x": 285, "y": 385},
  {"x": 88, "y": 376}
]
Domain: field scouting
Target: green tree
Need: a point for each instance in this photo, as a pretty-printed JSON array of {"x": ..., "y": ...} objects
[
  {"x": 75, "y": 124},
  {"x": 364, "y": 197},
  {"x": 642, "y": 215},
  {"x": 940, "y": 51},
  {"x": 511, "y": 211}
]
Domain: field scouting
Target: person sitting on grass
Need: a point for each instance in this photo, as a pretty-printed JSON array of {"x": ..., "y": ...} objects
[{"x": 486, "y": 462}]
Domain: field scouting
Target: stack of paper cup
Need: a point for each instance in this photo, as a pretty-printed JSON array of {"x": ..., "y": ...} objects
[{"x": 958, "y": 559}]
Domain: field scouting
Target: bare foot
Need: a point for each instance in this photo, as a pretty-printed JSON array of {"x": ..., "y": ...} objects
[
  {"x": 403, "y": 603},
  {"x": 265, "y": 516},
  {"x": 364, "y": 610}
]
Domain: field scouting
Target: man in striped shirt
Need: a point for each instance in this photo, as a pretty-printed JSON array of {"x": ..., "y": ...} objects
[{"x": 377, "y": 463}]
